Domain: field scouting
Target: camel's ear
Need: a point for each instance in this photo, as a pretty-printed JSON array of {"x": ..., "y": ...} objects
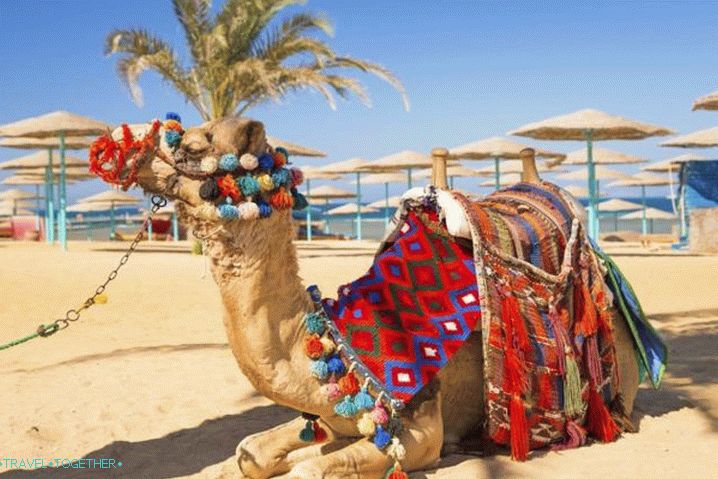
[{"x": 256, "y": 139}]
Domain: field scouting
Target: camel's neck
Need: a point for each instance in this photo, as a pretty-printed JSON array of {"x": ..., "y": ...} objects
[{"x": 256, "y": 268}]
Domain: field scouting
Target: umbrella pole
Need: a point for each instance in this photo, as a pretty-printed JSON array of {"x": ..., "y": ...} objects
[
  {"x": 62, "y": 226},
  {"x": 50, "y": 201},
  {"x": 112, "y": 221},
  {"x": 615, "y": 222},
  {"x": 592, "y": 213},
  {"x": 326, "y": 222},
  {"x": 408, "y": 178},
  {"x": 644, "y": 227},
  {"x": 358, "y": 225},
  {"x": 149, "y": 220},
  {"x": 451, "y": 182},
  {"x": 37, "y": 207},
  {"x": 175, "y": 226},
  {"x": 386, "y": 205},
  {"x": 497, "y": 172},
  {"x": 309, "y": 212},
  {"x": 682, "y": 204}
]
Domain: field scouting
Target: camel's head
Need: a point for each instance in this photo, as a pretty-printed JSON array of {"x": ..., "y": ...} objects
[{"x": 222, "y": 170}]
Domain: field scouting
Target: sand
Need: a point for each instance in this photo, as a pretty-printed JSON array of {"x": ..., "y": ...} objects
[{"x": 148, "y": 379}]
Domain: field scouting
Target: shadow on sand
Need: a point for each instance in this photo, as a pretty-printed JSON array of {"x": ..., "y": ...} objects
[{"x": 177, "y": 454}]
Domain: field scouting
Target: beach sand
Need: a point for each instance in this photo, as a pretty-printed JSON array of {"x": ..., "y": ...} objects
[{"x": 149, "y": 380}]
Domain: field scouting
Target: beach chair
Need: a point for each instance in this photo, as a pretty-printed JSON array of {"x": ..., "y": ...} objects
[{"x": 24, "y": 228}]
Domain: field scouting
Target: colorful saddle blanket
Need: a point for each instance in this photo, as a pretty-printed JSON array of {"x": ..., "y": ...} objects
[{"x": 529, "y": 280}]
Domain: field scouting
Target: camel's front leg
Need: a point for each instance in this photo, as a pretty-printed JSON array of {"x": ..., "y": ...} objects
[{"x": 362, "y": 460}]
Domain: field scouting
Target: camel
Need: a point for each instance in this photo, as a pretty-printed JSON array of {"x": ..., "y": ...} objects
[{"x": 254, "y": 263}]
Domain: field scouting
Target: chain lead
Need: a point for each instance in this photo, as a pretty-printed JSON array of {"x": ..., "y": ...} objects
[{"x": 73, "y": 315}]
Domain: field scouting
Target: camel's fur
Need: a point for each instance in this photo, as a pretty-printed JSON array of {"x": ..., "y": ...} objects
[{"x": 255, "y": 265}]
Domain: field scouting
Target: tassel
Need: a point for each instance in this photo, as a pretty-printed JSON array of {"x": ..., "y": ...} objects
[
  {"x": 313, "y": 346},
  {"x": 363, "y": 400},
  {"x": 599, "y": 422},
  {"x": 319, "y": 369},
  {"x": 307, "y": 434},
  {"x": 379, "y": 414},
  {"x": 519, "y": 429},
  {"x": 575, "y": 436},
  {"x": 511, "y": 314},
  {"x": 346, "y": 407},
  {"x": 396, "y": 472},
  {"x": 593, "y": 362},
  {"x": 365, "y": 425},
  {"x": 336, "y": 365},
  {"x": 396, "y": 450},
  {"x": 545, "y": 399},
  {"x": 320, "y": 435},
  {"x": 349, "y": 384},
  {"x": 515, "y": 373},
  {"x": 315, "y": 323},
  {"x": 585, "y": 321},
  {"x": 331, "y": 391},
  {"x": 328, "y": 345},
  {"x": 381, "y": 437},
  {"x": 572, "y": 402}
]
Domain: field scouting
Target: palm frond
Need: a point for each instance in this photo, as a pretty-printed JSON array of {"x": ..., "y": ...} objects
[{"x": 194, "y": 16}]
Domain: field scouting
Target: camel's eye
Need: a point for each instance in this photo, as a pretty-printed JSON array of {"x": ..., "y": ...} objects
[{"x": 208, "y": 135}]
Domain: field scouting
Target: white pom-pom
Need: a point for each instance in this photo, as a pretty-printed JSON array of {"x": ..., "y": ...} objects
[
  {"x": 248, "y": 211},
  {"x": 208, "y": 164},
  {"x": 328, "y": 345},
  {"x": 365, "y": 425},
  {"x": 248, "y": 161},
  {"x": 396, "y": 450}
]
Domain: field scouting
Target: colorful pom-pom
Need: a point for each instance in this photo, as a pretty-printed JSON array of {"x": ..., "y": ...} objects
[
  {"x": 264, "y": 209},
  {"x": 319, "y": 369},
  {"x": 209, "y": 191},
  {"x": 379, "y": 414},
  {"x": 336, "y": 365},
  {"x": 313, "y": 346},
  {"x": 170, "y": 115},
  {"x": 282, "y": 177},
  {"x": 248, "y": 185},
  {"x": 346, "y": 407},
  {"x": 365, "y": 425},
  {"x": 297, "y": 177},
  {"x": 349, "y": 384},
  {"x": 300, "y": 202},
  {"x": 315, "y": 323},
  {"x": 173, "y": 125},
  {"x": 283, "y": 151},
  {"x": 307, "y": 434},
  {"x": 281, "y": 200},
  {"x": 329, "y": 345},
  {"x": 381, "y": 437},
  {"x": 320, "y": 435},
  {"x": 173, "y": 138},
  {"x": 397, "y": 473},
  {"x": 279, "y": 159},
  {"x": 228, "y": 187},
  {"x": 331, "y": 391},
  {"x": 363, "y": 400},
  {"x": 228, "y": 162},
  {"x": 396, "y": 449},
  {"x": 248, "y": 210},
  {"x": 208, "y": 164},
  {"x": 248, "y": 161},
  {"x": 265, "y": 182},
  {"x": 228, "y": 211},
  {"x": 266, "y": 162}
]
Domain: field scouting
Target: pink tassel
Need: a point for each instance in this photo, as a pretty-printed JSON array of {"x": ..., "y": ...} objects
[{"x": 575, "y": 437}]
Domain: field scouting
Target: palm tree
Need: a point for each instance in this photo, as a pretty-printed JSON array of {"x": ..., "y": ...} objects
[{"x": 241, "y": 58}]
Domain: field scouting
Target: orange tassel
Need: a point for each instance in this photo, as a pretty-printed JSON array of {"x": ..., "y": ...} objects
[
  {"x": 515, "y": 373},
  {"x": 585, "y": 320},
  {"x": 349, "y": 384},
  {"x": 511, "y": 315},
  {"x": 545, "y": 400},
  {"x": 599, "y": 422},
  {"x": 519, "y": 429},
  {"x": 397, "y": 473}
]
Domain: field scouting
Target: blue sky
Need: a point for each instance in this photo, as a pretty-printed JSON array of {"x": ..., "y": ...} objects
[{"x": 472, "y": 69}]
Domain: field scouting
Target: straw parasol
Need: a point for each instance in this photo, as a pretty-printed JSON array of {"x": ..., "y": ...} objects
[
  {"x": 590, "y": 125},
  {"x": 452, "y": 171},
  {"x": 672, "y": 164},
  {"x": 325, "y": 193},
  {"x": 350, "y": 166},
  {"x": 404, "y": 160},
  {"x": 600, "y": 173},
  {"x": 577, "y": 191},
  {"x": 39, "y": 160},
  {"x": 643, "y": 180},
  {"x": 707, "y": 102},
  {"x": 616, "y": 204},
  {"x": 313, "y": 173},
  {"x": 71, "y": 143},
  {"x": 515, "y": 166},
  {"x": 385, "y": 179},
  {"x": 57, "y": 124},
  {"x": 114, "y": 198},
  {"x": 294, "y": 149},
  {"x": 392, "y": 202},
  {"x": 498, "y": 148},
  {"x": 505, "y": 180},
  {"x": 22, "y": 180},
  {"x": 707, "y": 138},
  {"x": 9, "y": 209},
  {"x": 649, "y": 214},
  {"x": 602, "y": 156},
  {"x": 350, "y": 209}
]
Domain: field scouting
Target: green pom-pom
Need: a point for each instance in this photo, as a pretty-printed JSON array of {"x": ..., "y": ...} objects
[
  {"x": 315, "y": 324},
  {"x": 307, "y": 434}
]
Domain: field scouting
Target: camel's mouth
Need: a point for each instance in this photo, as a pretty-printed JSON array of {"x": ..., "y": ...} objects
[{"x": 189, "y": 165}]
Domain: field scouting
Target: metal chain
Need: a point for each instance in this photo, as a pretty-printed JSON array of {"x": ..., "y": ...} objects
[{"x": 73, "y": 315}]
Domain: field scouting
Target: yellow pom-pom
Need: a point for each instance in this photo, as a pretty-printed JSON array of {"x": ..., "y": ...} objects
[
  {"x": 265, "y": 182},
  {"x": 328, "y": 345},
  {"x": 366, "y": 425},
  {"x": 101, "y": 298}
]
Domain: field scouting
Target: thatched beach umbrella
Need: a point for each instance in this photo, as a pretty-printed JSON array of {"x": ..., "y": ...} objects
[
  {"x": 28, "y": 180},
  {"x": 498, "y": 148},
  {"x": 39, "y": 160},
  {"x": 452, "y": 171},
  {"x": 113, "y": 198},
  {"x": 385, "y": 179},
  {"x": 649, "y": 214},
  {"x": 673, "y": 164},
  {"x": 8, "y": 208},
  {"x": 707, "y": 138},
  {"x": 516, "y": 166},
  {"x": 617, "y": 206},
  {"x": 294, "y": 149},
  {"x": 602, "y": 156},
  {"x": 391, "y": 202},
  {"x": 406, "y": 160},
  {"x": 642, "y": 180},
  {"x": 313, "y": 173},
  {"x": 57, "y": 124},
  {"x": 325, "y": 193},
  {"x": 351, "y": 166},
  {"x": 19, "y": 198},
  {"x": 507, "y": 179},
  {"x": 590, "y": 125},
  {"x": 707, "y": 102}
]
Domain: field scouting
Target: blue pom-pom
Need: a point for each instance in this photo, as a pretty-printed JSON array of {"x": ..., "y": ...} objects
[
  {"x": 346, "y": 407},
  {"x": 227, "y": 211},
  {"x": 320, "y": 369},
  {"x": 228, "y": 162},
  {"x": 300, "y": 202},
  {"x": 281, "y": 177},
  {"x": 336, "y": 365},
  {"x": 381, "y": 437},
  {"x": 307, "y": 434},
  {"x": 315, "y": 323},
  {"x": 248, "y": 185},
  {"x": 266, "y": 162},
  {"x": 173, "y": 138},
  {"x": 264, "y": 209},
  {"x": 173, "y": 116},
  {"x": 363, "y": 400}
]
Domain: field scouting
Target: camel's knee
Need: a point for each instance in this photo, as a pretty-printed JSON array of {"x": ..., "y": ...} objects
[{"x": 254, "y": 458}]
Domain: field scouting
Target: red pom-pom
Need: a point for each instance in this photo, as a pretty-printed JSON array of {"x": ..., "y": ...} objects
[
  {"x": 281, "y": 200},
  {"x": 320, "y": 435},
  {"x": 228, "y": 187},
  {"x": 349, "y": 384},
  {"x": 279, "y": 158},
  {"x": 313, "y": 346},
  {"x": 398, "y": 474}
]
